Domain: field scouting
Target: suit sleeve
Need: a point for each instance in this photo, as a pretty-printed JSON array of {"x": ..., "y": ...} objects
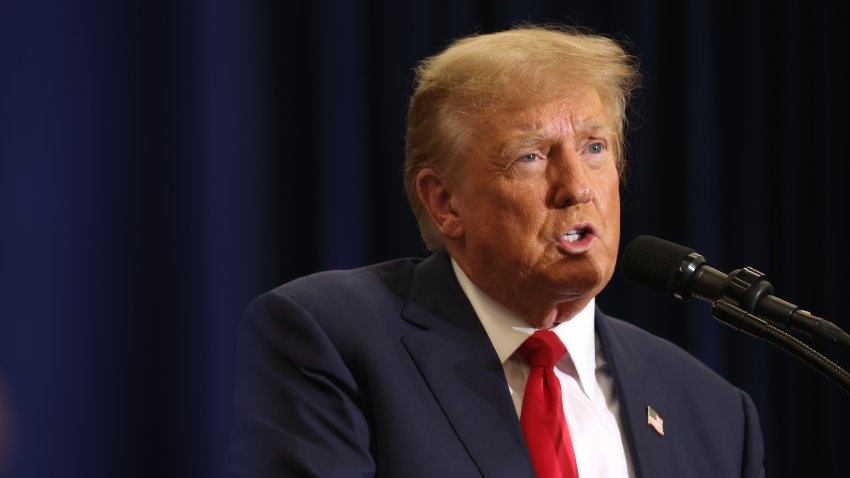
[
  {"x": 753, "y": 462},
  {"x": 297, "y": 410}
]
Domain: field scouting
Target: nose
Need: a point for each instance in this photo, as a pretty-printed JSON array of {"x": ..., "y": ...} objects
[{"x": 569, "y": 182}]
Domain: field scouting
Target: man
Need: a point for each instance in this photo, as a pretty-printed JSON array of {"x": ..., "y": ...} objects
[{"x": 419, "y": 368}]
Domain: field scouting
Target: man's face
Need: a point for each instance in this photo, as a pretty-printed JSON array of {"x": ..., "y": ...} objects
[{"x": 537, "y": 195}]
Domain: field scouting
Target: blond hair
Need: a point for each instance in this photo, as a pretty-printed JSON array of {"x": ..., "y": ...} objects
[{"x": 481, "y": 74}]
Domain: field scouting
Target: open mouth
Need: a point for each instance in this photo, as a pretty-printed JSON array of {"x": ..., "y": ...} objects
[
  {"x": 577, "y": 240},
  {"x": 577, "y": 234}
]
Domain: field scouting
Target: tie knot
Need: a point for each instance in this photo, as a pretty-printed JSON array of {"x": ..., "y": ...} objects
[{"x": 542, "y": 349}]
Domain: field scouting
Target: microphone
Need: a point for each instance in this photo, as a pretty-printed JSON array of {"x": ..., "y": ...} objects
[{"x": 681, "y": 272}]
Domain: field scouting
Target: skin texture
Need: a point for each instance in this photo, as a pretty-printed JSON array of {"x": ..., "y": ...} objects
[{"x": 531, "y": 175}]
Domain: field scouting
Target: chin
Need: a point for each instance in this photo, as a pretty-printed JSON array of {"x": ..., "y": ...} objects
[{"x": 582, "y": 279}]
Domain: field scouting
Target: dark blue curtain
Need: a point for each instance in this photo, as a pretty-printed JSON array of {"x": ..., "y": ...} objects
[{"x": 161, "y": 163}]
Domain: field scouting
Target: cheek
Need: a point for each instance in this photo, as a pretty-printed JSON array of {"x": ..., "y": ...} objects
[
  {"x": 517, "y": 218},
  {"x": 516, "y": 201},
  {"x": 528, "y": 212},
  {"x": 608, "y": 199},
  {"x": 613, "y": 204}
]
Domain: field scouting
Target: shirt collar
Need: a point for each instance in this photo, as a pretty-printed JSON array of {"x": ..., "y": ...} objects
[{"x": 507, "y": 331}]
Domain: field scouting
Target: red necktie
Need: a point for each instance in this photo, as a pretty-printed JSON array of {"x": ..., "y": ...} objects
[{"x": 542, "y": 417}]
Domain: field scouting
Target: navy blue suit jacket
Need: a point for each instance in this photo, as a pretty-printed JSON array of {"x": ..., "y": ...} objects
[{"x": 387, "y": 371}]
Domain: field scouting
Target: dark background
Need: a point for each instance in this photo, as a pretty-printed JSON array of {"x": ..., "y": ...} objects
[{"x": 162, "y": 163}]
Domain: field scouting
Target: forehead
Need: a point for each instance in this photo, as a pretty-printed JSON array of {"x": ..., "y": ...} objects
[{"x": 579, "y": 111}]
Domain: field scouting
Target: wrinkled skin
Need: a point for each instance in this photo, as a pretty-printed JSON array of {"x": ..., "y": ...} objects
[{"x": 532, "y": 212}]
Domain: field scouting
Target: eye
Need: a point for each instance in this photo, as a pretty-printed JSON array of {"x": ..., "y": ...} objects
[
  {"x": 596, "y": 148},
  {"x": 528, "y": 158}
]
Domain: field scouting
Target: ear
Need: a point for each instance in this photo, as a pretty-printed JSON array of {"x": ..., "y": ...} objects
[{"x": 439, "y": 203}]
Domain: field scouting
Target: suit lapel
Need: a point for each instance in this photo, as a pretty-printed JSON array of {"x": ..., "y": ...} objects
[
  {"x": 650, "y": 453},
  {"x": 457, "y": 360}
]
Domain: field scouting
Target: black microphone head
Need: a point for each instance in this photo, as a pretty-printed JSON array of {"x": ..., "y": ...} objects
[{"x": 658, "y": 264}]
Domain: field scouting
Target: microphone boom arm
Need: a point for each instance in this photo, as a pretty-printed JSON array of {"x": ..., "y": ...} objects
[
  {"x": 746, "y": 288},
  {"x": 741, "y": 320}
]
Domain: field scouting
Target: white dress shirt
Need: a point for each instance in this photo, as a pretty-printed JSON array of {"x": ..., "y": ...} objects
[{"x": 590, "y": 405}]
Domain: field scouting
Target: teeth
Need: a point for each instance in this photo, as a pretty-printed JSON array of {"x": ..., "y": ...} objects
[{"x": 572, "y": 236}]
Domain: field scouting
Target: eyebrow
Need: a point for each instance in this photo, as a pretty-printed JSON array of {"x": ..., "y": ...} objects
[
  {"x": 538, "y": 135},
  {"x": 526, "y": 141}
]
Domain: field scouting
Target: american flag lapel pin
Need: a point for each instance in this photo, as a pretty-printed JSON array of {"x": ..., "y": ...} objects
[{"x": 654, "y": 420}]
